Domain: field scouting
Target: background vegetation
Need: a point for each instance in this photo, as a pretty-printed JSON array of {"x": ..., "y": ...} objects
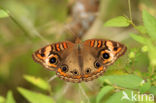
[{"x": 26, "y": 25}]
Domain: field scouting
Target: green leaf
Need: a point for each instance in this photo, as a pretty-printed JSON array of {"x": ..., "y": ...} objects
[
  {"x": 125, "y": 81},
  {"x": 2, "y": 99},
  {"x": 150, "y": 46},
  {"x": 103, "y": 92},
  {"x": 117, "y": 97},
  {"x": 139, "y": 39},
  {"x": 142, "y": 29},
  {"x": 37, "y": 82},
  {"x": 3, "y": 14},
  {"x": 150, "y": 24},
  {"x": 152, "y": 54},
  {"x": 153, "y": 90},
  {"x": 120, "y": 21},
  {"x": 10, "y": 98},
  {"x": 34, "y": 97},
  {"x": 145, "y": 87}
]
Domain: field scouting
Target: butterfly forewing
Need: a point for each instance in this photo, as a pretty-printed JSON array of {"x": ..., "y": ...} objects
[
  {"x": 50, "y": 56},
  {"x": 106, "y": 50}
]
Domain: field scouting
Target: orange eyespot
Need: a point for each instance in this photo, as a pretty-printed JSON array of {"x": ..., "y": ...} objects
[
  {"x": 42, "y": 54},
  {"x": 105, "y": 55},
  {"x": 52, "y": 60}
]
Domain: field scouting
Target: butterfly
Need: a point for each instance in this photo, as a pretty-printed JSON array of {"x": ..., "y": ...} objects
[{"x": 79, "y": 61}]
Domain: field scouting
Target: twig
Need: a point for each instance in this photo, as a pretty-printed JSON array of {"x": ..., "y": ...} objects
[{"x": 130, "y": 11}]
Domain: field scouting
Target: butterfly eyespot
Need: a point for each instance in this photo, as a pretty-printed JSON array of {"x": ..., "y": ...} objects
[
  {"x": 64, "y": 68},
  {"x": 75, "y": 72},
  {"x": 105, "y": 55},
  {"x": 52, "y": 60},
  {"x": 97, "y": 64},
  {"x": 88, "y": 70},
  {"x": 42, "y": 55},
  {"x": 115, "y": 48}
]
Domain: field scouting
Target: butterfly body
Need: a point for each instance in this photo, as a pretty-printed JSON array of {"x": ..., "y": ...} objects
[{"x": 79, "y": 61}]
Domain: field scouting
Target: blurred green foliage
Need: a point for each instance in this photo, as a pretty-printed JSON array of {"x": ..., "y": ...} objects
[{"x": 27, "y": 25}]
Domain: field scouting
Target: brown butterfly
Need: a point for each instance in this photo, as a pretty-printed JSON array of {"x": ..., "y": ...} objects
[{"x": 79, "y": 61}]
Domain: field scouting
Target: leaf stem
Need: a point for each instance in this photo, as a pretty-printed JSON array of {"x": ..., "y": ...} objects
[
  {"x": 135, "y": 27},
  {"x": 130, "y": 11}
]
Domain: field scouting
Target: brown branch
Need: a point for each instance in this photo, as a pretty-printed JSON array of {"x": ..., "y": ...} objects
[{"x": 83, "y": 15}]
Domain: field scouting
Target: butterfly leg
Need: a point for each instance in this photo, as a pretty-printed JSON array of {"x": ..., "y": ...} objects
[
  {"x": 52, "y": 78},
  {"x": 62, "y": 91},
  {"x": 84, "y": 93},
  {"x": 92, "y": 85}
]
